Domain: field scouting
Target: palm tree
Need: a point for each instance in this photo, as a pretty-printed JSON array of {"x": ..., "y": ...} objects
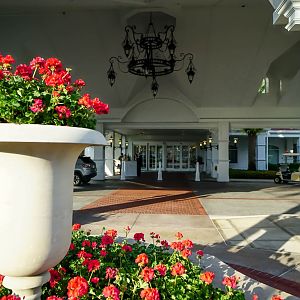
[{"x": 252, "y": 134}]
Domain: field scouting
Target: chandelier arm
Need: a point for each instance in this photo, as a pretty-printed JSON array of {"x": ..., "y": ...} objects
[
  {"x": 170, "y": 28},
  {"x": 136, "y": 41},
  {"x": 181, "y": 60},
  {"x": 119, "y": 62}
]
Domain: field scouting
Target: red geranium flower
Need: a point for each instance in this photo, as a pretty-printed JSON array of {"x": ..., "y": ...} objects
[
  {"x": 188, "y": 244},
  {"x": 1, "y": 279},
  {"x": 111, "y": 232},
  {"x": 200, "y": 253},
  {"x": 55, "y": 277},
  {"x": 8, "y": 59},
  {"x": 150, "y": 294},
  {"x": 107, "y": 240},
  {"x": 142, "y": 259},
  {"x": 93, "y": 265},
  {"x": 76, "y": 227},
  {"x": 111, "y": 273},
  {"x": 179, "y": 235},
  {"x": 178, "y": 246},
  {"x": 95, "y": 280},
  {"x": 63, "y": 111},
  {"x": 127, "y": 248},
  {"x": 79, "y": 83},
  {"x": 277, "y": 297},
  {"x": 10, "y": 297},
  {"x": 231, "y": 282},
  {"x": 77, "y": 287},
  {"x": 37, "y": 106},
  {"x": 162, "y": 269},
  {"x": 111, "y": 292},
  {"x": 207, "y": 277},
  {"x": 178, "y": 269},
  {"x": 147, "y": 274},
  {"x": 53, "y": 64},
  {"x": 139, "y": 236},
  {"x": 24, "y": 71},
  {"x": 37, "y": 62},
  {"x": 186, "y": 253},
  {"x": 54, "y": 298}
]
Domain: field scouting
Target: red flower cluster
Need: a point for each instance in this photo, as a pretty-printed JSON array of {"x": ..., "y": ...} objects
[
  {"x": 230, "y": 281},
  {"x": 37, "y": 106},
  {"x": 150, "y": 294},
  {"x": 162, "y": 269},
  {"x": 178, "y": 269},
  {"x": 207, "y": 277},
  {"x": 76, "y": 227},
  {"x": 142, "y": 259},
  {"x": 277, "y": 297},
  {"x": 54, "y": 81},
  {"x": 10, "y": 297},
  {"x": 127, "y": 248},
  {"x": 6, "y": 60},
  {"x": 95, "y": 104},
  {"x": 147, "y": 274},
  {"x": 54, "y": 298},
  {"x": 55, "y": 277},
  {"x": 1, "y": 279},
  {"x": 179, "y": 235},
  {"x": 92, "y": 264},
  {"x": 111, "y": 273},
  {"x": 63, "y": 112},
  {"x": 111, "y": 292},
  {"x": 77, "y": 287},
  {"x": 111, "y": 232},
  {"x": 139, "y": 236}
]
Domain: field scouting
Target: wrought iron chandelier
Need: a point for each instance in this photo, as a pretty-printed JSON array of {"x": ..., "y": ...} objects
[{"x": 150, "y": 54}]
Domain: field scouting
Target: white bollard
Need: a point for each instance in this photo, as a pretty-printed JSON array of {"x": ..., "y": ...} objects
[
  {"x": 197, "y": 175},
  {"x": 159, "y": 174},
  {"x": 123, "y": 170}
]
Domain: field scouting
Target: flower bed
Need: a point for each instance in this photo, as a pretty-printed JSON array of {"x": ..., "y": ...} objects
[{"x": 99, "y": 267}]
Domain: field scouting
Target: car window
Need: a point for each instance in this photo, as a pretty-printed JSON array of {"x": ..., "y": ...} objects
[{"x": 85, "y": 159}]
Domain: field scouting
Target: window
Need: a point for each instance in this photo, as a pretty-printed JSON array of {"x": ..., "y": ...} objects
[
  {"x": 265, "y": 86},
  {"x": 233, "y": 154}
]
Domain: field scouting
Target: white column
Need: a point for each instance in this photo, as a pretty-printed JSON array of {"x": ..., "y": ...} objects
[
  {"x": 298, "y": 149},
  {"x": 223, "y": 140},
  {"x": 261, "y": 151},
  {"x": 214, "y": 154},
  {"x": 99, "y": 156}
]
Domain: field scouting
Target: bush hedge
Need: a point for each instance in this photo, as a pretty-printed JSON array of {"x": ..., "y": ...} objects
[{"x": 235, "y": 173}]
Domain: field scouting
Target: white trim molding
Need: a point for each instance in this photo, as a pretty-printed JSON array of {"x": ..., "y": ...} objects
[{"x": 287, "y": 13}]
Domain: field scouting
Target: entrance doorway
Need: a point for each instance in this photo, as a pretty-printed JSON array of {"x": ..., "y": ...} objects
[{"x": 173, "y": 157}]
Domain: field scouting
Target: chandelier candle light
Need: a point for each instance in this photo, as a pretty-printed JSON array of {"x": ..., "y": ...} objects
[{"x": 151, "y": 55}]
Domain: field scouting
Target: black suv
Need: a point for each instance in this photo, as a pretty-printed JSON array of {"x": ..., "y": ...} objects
[{"x": 85, "y": 170}]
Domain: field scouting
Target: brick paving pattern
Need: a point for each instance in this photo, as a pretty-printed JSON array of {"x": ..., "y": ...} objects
[
  {"x": 279, "y": 283},
  {"x": 149, "y": 201}
]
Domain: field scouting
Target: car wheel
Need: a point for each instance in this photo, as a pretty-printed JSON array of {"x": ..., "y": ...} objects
[
  {"x": 77, "y": 179},
  {"x": 277, "y": 180}
]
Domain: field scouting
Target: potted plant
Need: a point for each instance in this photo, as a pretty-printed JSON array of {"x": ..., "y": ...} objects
[{"x": 45, "y": 122}]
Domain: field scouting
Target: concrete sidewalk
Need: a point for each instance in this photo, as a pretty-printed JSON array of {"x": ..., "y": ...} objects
[{"x": 255, "y": 225}]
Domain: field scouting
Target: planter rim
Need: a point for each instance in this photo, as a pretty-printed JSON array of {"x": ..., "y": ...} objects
[{"x": 37, "y": 133}]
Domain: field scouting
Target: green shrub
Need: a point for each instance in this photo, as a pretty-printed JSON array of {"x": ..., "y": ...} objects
[{"x": 234, "y": 173}]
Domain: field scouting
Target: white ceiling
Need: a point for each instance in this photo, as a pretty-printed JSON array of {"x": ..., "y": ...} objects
[{"x": 20, "y": 5}]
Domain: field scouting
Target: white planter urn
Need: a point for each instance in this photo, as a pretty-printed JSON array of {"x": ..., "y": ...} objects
[{"x": 36, "y": 199}]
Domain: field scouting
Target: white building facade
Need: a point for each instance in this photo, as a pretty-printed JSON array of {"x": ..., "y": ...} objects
[{"x": 235, "y": 44}]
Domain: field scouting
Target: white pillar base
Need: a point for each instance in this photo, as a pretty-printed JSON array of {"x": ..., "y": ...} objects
[
  {"x": 123, "y": 170},
  {"x": 28, "y": 287},
  {"x": 197, "y": 175}
]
